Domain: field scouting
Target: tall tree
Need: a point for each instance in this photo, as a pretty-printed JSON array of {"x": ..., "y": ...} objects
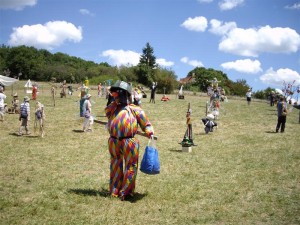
[{"x": 147, "y": 65}]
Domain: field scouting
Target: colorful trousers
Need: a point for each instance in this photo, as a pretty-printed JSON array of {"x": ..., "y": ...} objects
[{"x": 123, "y": 165}]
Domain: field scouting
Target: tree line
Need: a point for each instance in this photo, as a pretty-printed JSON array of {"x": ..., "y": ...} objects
[{"x": 26, "y": 62}]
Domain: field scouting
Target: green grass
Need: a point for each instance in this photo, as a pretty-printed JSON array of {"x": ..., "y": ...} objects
[{"x": 243, "y": 173}]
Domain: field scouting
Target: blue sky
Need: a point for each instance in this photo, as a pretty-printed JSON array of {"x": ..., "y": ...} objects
[{"x": 255, "y": 40}]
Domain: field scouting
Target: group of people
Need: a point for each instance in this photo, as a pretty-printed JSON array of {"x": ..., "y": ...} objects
[
  {"x": 24, "y": 117},
  {"x": 124, "y": 117}
]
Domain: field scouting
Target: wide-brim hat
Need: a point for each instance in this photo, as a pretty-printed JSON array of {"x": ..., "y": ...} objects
[
  {"x": 15, "y": 95},
  {"x": 121, "y": 85},
  {"x": 26, "y": 99}
]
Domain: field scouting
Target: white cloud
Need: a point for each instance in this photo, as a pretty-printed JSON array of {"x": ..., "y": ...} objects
[
  {"x": 198, "y": 24},
  {"x": 131, "y": 58},
  {"x": 86, "y": 12},
  {"x": 205, "y": 1},
  {"x": 220, "y": 28},
  {"x": 193, "y": 63},
  {"x": 280, "y": 76},
  {"x": 229, "y": 4},
  {"x": 251, "y": 42},
  {"x": 243, "y": 66},
  {"x": 295, "y": 6},
  {"x": 164, "y": 63},
  {"x": 121, "y": 57},
  {"x": 16, "y": 4},
  {"x": 50, "y": 35}
]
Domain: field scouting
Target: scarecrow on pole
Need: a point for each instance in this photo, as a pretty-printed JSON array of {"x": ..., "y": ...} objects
[{"x": 187, "y": 141}]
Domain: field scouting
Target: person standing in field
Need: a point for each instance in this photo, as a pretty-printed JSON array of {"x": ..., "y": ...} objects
[
  {"x": 281, "y": 114},
  {"x": 272, "y": 98},
  {"x": 123, "y": 121},
  {"x": 2, "y": 106},
  {"x": 99, "y": 90},
  {"x": 87, "y": 112},
  {"x": 34, "y": 91},
  {"x": 248, "y": 96},
  {"x": 24, "y": 117},
  {"x": 153, "y": 90}
]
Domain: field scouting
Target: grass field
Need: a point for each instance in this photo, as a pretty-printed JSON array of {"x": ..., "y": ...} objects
[{"x": 242, "y": 173}]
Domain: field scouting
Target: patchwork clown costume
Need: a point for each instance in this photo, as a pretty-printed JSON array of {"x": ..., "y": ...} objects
[{"x": 123, "y": 121}]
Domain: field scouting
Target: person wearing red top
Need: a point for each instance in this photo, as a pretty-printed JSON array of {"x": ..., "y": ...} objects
[{"x": 34, "y": 91}]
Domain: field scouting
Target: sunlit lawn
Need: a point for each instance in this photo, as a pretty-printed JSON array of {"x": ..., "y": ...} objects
[{"x": 242, "y": 173}]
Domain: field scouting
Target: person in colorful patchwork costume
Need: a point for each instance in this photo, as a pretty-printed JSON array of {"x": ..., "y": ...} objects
[{"x": 123, "y": 120}]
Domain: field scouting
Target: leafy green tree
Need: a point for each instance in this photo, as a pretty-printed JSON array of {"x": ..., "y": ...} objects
[
  {"x": 26, "y": 60},
  {"x": 147, "y": 66},
  {"x": 165, "y": 79},
  {"x": 4, "y": 51},
  {"x": 240, "y": 87},
  {"x": 128, "y": 74},
  {"x": 203, "y": 77}
]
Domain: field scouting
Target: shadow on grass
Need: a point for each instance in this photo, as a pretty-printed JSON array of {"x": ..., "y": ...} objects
[
  {"x": 90, "y": 192},
  {"x": 24, "y": 135},
  {"x": 204, "y": 134},
  {"x": 104, "y": 193},
  {"x": 271, "y": 132},
  {"x": 78, "y": 131},
  {"x": 175, "y": 150}
]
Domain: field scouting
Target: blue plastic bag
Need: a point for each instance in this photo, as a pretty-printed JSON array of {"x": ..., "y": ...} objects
[{"x": 150, "y": 163}]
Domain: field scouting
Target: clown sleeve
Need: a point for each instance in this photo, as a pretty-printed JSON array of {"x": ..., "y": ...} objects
[
  {"x": 109, "y": 110},
  {"x": 143, "y": 120}
]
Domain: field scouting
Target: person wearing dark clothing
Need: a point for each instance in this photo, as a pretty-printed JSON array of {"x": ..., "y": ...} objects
[
  {"x": 281, "y": 113},
  {"x": 153, "y": 89}
]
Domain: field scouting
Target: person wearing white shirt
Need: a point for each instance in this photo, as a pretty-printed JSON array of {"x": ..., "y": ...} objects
[{"x": 2, "y": 105}]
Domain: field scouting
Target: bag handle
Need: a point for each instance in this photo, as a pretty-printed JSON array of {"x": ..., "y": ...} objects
[{"x": 152, "y": 142}]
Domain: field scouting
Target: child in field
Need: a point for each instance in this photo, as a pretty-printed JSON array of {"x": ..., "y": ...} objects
[
  {"x": 24, "y": 116},
  {"x": 39, "y": 118},
  {"x": 88, "y": 119}
]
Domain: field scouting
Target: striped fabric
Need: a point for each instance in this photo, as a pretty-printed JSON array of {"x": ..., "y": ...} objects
[
  {"x": 24, "y": 108},
  {"x": 123, "y": 121}
]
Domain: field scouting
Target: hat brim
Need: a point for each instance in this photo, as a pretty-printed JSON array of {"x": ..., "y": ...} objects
[{"x": 112, "y": 89}]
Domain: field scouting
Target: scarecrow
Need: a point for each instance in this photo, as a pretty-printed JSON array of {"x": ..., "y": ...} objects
[
  {"x": 39, "y": 118},
  {"x": 188, "y": 136},
  {"x": 15, "y": 105},
  {"x": 63, "y": 90}
]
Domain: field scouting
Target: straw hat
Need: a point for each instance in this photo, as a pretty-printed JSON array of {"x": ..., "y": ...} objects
[{"x": 26, "y": 99}]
